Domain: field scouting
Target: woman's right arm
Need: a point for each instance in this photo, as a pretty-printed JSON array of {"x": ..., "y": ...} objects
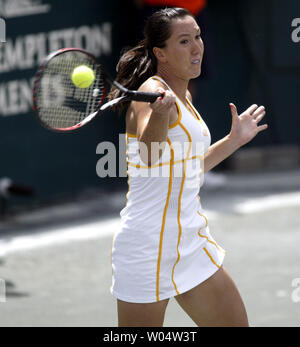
[{"x": 153, "y": 121}]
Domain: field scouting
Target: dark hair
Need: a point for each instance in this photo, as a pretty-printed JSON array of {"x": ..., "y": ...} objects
[{"x": 137, "y": 64}]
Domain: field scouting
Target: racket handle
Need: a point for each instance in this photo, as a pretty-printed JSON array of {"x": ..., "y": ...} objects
[{"x": 143, "y": 96}]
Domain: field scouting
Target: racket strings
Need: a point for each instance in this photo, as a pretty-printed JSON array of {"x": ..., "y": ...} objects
[{"x": 60, "y": 103}]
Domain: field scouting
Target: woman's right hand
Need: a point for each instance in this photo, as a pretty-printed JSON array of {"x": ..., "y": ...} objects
[{"x": 163, "y": 105}]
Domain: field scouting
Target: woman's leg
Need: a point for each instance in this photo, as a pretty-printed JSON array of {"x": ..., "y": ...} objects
[
  {"x": 141, "y": 315},
  {"x": 215, "y": 302}
]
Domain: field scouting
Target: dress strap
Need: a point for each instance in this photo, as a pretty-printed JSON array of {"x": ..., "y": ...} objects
[{"x": 155, "y": 77}]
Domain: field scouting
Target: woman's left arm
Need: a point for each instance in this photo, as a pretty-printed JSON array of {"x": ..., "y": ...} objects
[{"x": 244, "y": 128}]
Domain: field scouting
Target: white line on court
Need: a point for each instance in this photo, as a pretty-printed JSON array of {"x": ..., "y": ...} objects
[
  {"x": 269, "y": 202},
  {"x": 101, "y": 229},
  {"x": 62, "y": 235},
  {"x": 90, "y": 231}
]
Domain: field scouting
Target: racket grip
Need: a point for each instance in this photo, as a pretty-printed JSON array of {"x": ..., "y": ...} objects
[{"x": 145, "y": 97}]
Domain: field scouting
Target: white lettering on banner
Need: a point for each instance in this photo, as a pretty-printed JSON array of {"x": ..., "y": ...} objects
[
  {"x": 26, "y": 52},
  {"x": 2, "y": 30},
  {"x": 296, "y": 32},
  {"x": 15, "y": 97},
  {"x": 17, "y": 8}
]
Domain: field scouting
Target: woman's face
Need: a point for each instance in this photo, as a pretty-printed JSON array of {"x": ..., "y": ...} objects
[{"x": 183, "y": 52}]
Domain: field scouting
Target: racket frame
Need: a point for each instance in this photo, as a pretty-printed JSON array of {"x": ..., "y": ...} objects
[{"x": 127, "y": 94}]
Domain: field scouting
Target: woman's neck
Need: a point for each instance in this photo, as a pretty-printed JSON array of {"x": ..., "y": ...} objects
[{"x": 178, "y": 85}]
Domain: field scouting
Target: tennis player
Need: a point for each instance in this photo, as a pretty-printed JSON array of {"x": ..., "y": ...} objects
[{"x": 164, "y": 248}]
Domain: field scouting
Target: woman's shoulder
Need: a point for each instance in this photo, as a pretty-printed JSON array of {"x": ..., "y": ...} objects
[{"x": 151, "y": 85}]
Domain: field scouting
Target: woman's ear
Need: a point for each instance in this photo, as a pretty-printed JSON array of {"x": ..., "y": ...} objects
[{"x": 159, "y": 54}]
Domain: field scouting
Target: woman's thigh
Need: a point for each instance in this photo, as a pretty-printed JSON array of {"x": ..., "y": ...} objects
[
  {"x": 141, "y": 315},
  {"x": 215, "y": 302}
]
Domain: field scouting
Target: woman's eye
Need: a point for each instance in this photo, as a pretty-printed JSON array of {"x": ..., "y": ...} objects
[
  {"x": 198, "y": 37},
  {"x": 184, "y": 41}
]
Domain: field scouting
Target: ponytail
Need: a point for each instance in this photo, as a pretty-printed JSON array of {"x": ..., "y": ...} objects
[{"x": 135, "y": 66}]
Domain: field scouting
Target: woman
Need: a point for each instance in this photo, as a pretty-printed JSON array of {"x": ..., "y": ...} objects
[{"x": 164, "y": 248}]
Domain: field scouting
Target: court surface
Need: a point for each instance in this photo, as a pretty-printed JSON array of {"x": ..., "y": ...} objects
[{"x": 58, "y": 273}]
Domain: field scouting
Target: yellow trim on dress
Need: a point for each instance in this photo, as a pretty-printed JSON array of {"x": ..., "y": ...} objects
[
  {"x": 179, "y": 117},
  {"x": 138, "y": 166},
  {"x": 211, "y": 258},
  {"x": 178, "y": 108},
  {"x": 164, "y": 220},
  {"x": 179, "y": 204},
  {"x": 202, "y": 215},
  {"x": 212, "y": 242},
  {"x": 130, "y": 135},
  {"x": 194, "y": 110}
]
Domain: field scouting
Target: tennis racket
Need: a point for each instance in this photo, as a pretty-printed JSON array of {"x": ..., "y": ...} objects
[{"x": 60, "y": 105}]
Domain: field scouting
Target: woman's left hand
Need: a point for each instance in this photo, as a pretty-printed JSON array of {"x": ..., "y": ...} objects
[{"x": 245, "y": 126}]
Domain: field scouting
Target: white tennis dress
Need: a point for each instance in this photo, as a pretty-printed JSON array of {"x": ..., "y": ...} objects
[{"x": 164, "y": 247}]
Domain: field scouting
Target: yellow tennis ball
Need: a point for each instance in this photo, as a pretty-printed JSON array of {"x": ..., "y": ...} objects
[{"x": 83, "y": 76}]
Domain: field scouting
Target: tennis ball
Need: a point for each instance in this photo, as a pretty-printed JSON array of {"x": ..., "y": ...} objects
[{"x": 83, "y": 76}]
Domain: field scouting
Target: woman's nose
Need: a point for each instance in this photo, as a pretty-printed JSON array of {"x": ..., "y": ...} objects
[{"x": 198, "y": 46}]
